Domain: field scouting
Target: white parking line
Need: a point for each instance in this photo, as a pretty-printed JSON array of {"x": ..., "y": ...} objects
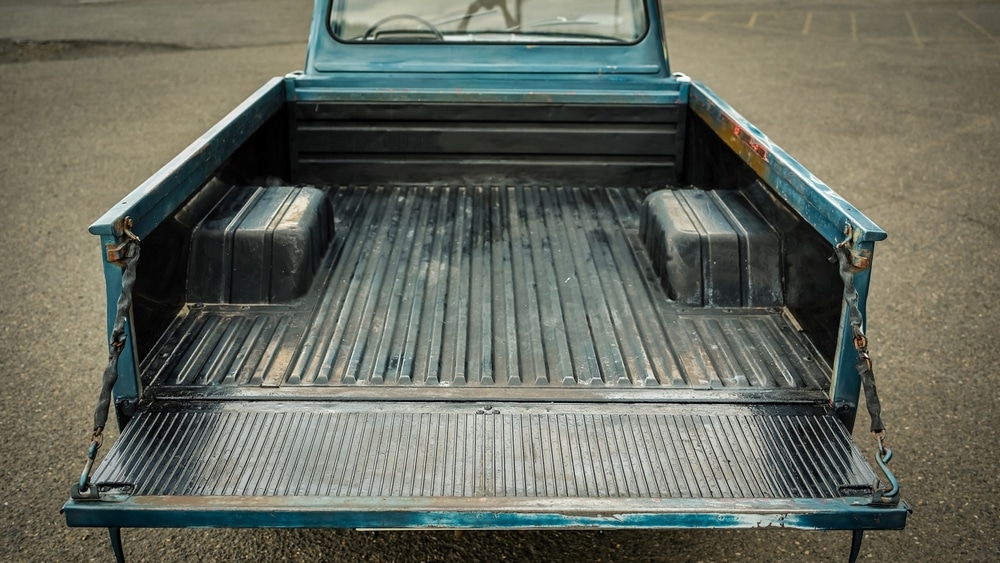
[
  {"x": 980, "y": 28},
  {"x": 913, "y": 28}
]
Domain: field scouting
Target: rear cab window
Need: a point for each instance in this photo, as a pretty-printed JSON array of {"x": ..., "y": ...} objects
[{"x": 580, "y": 22}]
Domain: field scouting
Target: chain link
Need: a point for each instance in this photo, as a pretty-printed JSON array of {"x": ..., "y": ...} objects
[
  {"x": 116, "y": 343},
  {"x": 856, "y": 320},
  {"x": 864, "y": 367}
]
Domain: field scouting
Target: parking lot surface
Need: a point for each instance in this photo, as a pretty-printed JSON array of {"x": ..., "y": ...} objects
[{"x": 894, "y": 104}]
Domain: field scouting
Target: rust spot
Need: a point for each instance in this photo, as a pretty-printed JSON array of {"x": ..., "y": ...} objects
[
  {"x": 116, "y": 252},
  {"x": 861, "y": 259},
  {"x": 751, "y": 143}
]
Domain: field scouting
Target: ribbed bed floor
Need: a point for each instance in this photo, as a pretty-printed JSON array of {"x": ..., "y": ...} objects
[
  {"x": 384, "y": 400},
  {"x": 378, "y": 450},
  {"x": 484, "y": 287}
]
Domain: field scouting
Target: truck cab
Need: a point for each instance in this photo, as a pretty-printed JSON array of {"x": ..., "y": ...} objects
[{"x": 486, "y": 264}]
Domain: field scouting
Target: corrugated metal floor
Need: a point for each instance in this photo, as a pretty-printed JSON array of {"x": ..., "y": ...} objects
[
  {"x": 457, "y": 451},
  {"x": 485, "y": 287}
]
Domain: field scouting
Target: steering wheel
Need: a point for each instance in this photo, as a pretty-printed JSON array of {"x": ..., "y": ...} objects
[{"x": 372, "y": 31}]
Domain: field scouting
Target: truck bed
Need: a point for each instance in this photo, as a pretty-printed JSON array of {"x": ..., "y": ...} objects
[
  {"x": 485, "y": 357},
  {"x": 366, "y": 300},
  {"x": 455, "y": 292}
]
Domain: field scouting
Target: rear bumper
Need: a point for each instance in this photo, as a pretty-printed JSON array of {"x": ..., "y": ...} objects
[{"x": 484, "y": 512}]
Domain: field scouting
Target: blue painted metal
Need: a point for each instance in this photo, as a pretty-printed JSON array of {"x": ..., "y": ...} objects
[
  {"x": 830, "y": 214},
  {"x": 128, "y": 386},
  {"x": 883, "y": 458},
  {"x": 464, "y": 62},
  {"x": 164, "y": 191},
  {"x": 160, "y": 195},
  {"x": 91, "y": 455},
  {"x": 629, "y": 74},
  {"x": 322, "y": 512},
  {"x": 638, "y": 73},
  {"x": 486, "y": 89},
  {"x": 845, "y": 384},
  {"x": 818, "y": 204}
]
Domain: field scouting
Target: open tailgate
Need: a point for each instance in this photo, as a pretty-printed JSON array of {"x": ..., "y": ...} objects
[{"x": 361, "y": 464}]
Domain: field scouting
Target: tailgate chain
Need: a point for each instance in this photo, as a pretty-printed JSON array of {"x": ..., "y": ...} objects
[
  {"x": 128, "y": 259},
  {"x": 882, "y": 496}
]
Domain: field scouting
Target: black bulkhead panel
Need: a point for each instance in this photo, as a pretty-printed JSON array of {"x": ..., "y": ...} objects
[{"x": 486, "y": 144}]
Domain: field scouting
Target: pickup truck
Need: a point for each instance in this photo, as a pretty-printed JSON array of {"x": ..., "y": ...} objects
[{"x": 486, "y": 264}]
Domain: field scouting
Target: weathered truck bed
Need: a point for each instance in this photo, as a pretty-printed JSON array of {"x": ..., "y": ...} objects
[
  {"x": 456, "y": 292},
  {"x": 490, "y": 339},
  {"x": 463, "y": 343},
  {"x": 492, "y": 286}
]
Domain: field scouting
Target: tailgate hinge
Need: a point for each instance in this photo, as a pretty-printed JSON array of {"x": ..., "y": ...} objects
[
  {"x": 859, "y": 259},
  {"x": 115, "y": 253}
]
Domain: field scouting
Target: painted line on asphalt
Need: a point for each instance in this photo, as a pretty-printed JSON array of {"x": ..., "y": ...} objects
[
  {"x": 981, "y": 29},
  {"x": 818, "y": 24},
  {"x": 913, "y": 28}
]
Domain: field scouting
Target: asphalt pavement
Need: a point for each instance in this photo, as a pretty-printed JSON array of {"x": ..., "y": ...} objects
[{"x": 894, "y": 104}]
